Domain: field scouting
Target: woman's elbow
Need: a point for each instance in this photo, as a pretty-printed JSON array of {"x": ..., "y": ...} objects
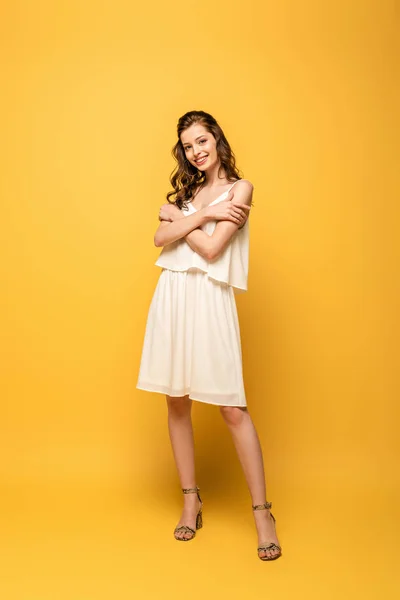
[
  {"x": 212, "y": 253},
  {"x": 158, "y": 241}
]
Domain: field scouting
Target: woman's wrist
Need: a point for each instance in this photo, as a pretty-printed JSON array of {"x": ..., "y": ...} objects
[
  {"x": 205, "y": 213},
  {"x": 202, "y": 213},
  {"x": 177, "y": 215}
]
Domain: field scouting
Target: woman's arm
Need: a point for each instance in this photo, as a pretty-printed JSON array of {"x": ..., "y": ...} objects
[
  {"x": 211, "y": 246},
  {"x": 169, "y": 232},
  {"x": 175, "y": 225}
]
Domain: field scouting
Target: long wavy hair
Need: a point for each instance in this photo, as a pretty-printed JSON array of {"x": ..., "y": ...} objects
[{"x": 186, "y": 178}]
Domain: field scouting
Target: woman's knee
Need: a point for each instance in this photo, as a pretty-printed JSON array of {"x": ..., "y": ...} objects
[
  {"x": 179, "y": 406},
  {"x": 233, "y": 415}
]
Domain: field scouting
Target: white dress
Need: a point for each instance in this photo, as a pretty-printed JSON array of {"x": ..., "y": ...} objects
[{"x": 192, "y": 339}]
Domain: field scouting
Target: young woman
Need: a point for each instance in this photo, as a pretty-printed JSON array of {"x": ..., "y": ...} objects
[{"x": 192, "y": 347}]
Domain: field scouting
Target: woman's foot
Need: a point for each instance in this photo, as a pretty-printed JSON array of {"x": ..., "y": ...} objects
[
  {"x": 266, "y": 534},
  {"x": 191, "y": 507}
]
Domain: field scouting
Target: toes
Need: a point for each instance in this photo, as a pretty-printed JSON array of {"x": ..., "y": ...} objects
[
  {"x": 178, "y": 535},
  {"x": 183, "y": 535},
  {"x": 269, "y": 553}
]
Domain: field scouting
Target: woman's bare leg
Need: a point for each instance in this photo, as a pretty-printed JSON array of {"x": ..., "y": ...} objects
[
  {"x": 248, "y": 448},
  {"x": 182, "y": 441}
]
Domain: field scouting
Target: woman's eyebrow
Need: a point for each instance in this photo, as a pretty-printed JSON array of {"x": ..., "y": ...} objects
[{"x": 199, "y": 136}]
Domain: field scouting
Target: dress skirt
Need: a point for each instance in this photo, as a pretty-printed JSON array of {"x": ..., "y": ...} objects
[{"x": 192, "y": 340}]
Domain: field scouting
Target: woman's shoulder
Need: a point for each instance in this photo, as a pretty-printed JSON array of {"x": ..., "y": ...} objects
[
  {"x": 244, "y": 190},
  {"x": 245, "y": 183}
]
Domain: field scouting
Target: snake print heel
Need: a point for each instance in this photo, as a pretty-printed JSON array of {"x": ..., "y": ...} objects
[
  {"x": 272, "y": 547},
  {"x": 199, "y": 518}
]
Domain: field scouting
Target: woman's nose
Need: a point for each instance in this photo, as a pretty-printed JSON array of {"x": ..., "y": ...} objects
[{"x": 196, "y": 150}]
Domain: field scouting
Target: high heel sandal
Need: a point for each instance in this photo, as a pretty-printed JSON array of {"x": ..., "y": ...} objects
[
  {"x": 270, "y": 547},
  {"x": 199, "y": 518}
]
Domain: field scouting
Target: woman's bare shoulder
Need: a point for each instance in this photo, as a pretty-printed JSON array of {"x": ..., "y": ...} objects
[
  {"x": 246, "y": 182},
  {"x": 243, "y": 191}
]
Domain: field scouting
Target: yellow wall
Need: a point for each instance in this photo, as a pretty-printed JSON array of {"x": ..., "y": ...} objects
[{"x": 305, "y": 92}]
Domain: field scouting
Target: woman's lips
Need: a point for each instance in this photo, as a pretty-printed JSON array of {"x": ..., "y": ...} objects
[{"x": 201, "y": 160}]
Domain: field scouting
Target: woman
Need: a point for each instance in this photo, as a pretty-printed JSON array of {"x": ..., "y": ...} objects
[{"x": 192, "y": 348}]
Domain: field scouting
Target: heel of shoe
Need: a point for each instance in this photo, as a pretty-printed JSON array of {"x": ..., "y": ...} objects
[{"x": 199, "y": 520}]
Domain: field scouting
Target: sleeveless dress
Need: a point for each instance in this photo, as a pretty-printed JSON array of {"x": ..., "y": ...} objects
[{"x": 192, "y": 342}]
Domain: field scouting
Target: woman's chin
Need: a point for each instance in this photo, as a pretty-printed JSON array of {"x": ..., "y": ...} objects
[{"x": 204, "y": 168}]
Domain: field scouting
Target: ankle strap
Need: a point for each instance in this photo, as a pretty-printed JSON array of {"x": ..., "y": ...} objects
[
  {"x": 190, "y": 490},
  {"x": 262, "y": 506}
]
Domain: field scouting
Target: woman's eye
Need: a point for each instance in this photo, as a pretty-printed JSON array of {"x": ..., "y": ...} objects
[{"x": 187, "y": 147}]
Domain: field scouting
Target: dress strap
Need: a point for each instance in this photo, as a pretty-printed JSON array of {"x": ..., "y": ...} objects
[{"x": 235, "y": 183}]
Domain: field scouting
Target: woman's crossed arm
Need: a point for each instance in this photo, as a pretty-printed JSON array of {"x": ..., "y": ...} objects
[{"x": 231, "y": 214}]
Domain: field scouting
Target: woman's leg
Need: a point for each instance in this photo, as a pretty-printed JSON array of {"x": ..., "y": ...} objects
[
  {"x": 181, "y": 436},
  {"x": 248, "y": 448}
]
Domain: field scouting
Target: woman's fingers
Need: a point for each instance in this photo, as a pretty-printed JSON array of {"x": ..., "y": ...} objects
[
  {"x": 237, "y": 215},
  {"x": 237, "y": 212},
  {"x": 245, "y": 207},
  {"x": 242, "y": 219},
  {"x": 163, "y": 215},
  {"x": 243, "y": 210}
]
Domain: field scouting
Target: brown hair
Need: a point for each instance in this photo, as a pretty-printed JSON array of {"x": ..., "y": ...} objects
[{"x": 186, "y": 177}]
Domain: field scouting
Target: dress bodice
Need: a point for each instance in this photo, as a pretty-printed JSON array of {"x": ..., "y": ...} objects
[{"x": 231, "y": 266}]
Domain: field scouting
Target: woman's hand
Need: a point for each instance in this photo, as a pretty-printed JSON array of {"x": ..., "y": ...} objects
[
  {"x": 169, "y": 212},
  {"x": 229, "y": 210}
]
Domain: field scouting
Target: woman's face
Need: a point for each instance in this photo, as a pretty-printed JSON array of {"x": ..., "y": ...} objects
[{"x": 200, "y": 147}]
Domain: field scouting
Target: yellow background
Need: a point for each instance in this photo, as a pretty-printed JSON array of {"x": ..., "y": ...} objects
[{"x": 307, "y": 94}]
